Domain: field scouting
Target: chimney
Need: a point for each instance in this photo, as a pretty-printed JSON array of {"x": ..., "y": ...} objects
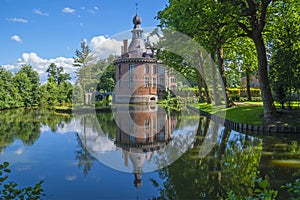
[{"x": 125, "y": 44}]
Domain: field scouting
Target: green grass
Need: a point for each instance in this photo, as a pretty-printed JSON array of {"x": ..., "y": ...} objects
[{"x": 245, "y": 113}]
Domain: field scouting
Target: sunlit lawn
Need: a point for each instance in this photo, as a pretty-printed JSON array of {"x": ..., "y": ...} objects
[{"x": 246, "y": 112}]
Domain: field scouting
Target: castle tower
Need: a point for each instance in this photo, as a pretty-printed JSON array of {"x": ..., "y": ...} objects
[{"x": 136, "y": 70}]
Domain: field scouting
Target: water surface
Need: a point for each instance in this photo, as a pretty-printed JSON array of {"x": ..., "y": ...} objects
[{"x": 143, "y": 154}]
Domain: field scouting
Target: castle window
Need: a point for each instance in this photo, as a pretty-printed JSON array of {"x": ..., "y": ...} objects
[
  {"x": 173, "y": 80},
  {"x": 161, "y": 70},
  {"x": 154, "y": 69},
  {"x": 146, "y": 70},
  {"x": 154, "y": 82},
  {"x": 147, "y": 82},
  {"x": 131, "y": 68},
  {"x": 162, "y": 81},
  {"x": 146, "y": 124},
  {"x": 131, "y": 138},
  {"x": 120, "y": 69}
]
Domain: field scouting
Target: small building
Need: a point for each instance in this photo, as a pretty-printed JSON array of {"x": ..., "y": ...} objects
[{"x": 140, "y": 77}]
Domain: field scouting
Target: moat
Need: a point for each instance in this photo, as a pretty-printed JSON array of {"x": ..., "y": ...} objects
[{"x": 140, "y": 153}]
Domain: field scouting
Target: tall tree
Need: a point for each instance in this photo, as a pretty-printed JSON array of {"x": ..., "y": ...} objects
[
  {"x": 57, "y": 74},
  {"x": 251, "y": 16},
  {"x": 83, "y": 55},
  {"x": 284, "y": 63},
  {"x": 27, "y": 82},
  {"x": 208, "y": 22},
  {"x": 240, "y": 57},
  {"x": 9, "y": 96},
  {"x": 85, "y": 61}
]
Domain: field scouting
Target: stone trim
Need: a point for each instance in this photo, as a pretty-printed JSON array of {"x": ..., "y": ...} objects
[{"x": 134, "y": 60}]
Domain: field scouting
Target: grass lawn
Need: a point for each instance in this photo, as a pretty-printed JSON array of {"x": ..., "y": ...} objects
[{"x": 245, "y": 112}]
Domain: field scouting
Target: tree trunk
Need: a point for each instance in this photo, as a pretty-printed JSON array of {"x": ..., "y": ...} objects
[
  {"x": 269, "y": 108},
  {"x": 199, "y": 85},
  {"x": 201, "y": 71},
  {"x": 221, "y": 67},
  {"x": 214, "y": 82},
  {"x": 248, "y": 85}
]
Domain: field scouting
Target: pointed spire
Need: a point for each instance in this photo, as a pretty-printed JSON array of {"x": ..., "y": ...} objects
[
  {"x": 137, "y": 20},
  {"x": 136, "y": 7}
]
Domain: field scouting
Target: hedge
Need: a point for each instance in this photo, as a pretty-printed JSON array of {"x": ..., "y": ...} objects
[{"x": 255, "y": 92}]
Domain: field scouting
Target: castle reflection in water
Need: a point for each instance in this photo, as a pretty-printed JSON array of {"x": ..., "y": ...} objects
[{"x": 142, "y": 130}]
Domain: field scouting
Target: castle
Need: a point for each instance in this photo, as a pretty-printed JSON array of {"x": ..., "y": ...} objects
[{"x": 140, "y": 77}]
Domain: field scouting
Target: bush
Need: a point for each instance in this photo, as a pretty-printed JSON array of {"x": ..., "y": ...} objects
[
  {"x": 255, "y": 92},
  {"x": 235, "y": 97}
]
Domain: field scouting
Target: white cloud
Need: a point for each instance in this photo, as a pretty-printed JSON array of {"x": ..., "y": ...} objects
[
  {"x": 19, "y": 151},
  {"x": 71, "y": 178},
  {"x": 102, "y": 47},
  {"x": 40, "y": 64},
  {"x": 21, "y": 20},
  {"x": 68, "y": 10},
  {"x": 39, "y": 12},
  {"x": 16, "y": 38},
  {"x": 153, "y": 39}
]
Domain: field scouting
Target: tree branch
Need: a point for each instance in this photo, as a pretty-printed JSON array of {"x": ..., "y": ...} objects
[{"x": 245, "y": 28}]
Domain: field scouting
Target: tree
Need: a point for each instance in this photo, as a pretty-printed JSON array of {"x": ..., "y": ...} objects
[
  {"x": 284, "y": 63},
  {"x": 57, "y": 89},
  {"x": 251, "y": 18},
  {"x": 77, "y": 95},
  {"x": 50, "y": 91},
  {"x": 84, "y": 60},
  {"x": 240, "y": 57},
  {"x": 107, "y": 79},
  {"x": 27, "y": 83},
  {"x": 83, "y": 56},
  {"x": 9, "y": 96},
  {"x": 57, "y": 74},
  {"x": 208, "y": 23}
]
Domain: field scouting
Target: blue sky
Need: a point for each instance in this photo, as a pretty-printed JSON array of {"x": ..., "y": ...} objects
[{"x": 38, "y": 32}]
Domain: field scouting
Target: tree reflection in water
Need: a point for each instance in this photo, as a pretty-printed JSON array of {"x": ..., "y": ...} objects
[
  {"x": 25, "y": 124},
  {"x": 215, "y": 161}
]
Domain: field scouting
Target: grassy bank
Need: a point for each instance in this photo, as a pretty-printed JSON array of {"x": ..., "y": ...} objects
[
  {"x": 252, "y": 112},
  {"x": 245, "y": 113}
]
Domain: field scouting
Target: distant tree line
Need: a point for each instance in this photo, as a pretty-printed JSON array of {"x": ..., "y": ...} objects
[{"x": 23, "y": 89}]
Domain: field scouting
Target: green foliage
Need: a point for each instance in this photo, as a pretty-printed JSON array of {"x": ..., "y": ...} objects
[
  {"x": 57, "y": 90},
  {"x": 77, "y": 95},
  {"x": 262, "y": 191},
  {"x": 27, "y": 83},
  {"x": 102, "y": 103},
  {"x": 293, "y": 189},
  {"x": 106, "y": 77},
  {"x": 284, "y": 64},
  {"x": 24, "y": 124},
  {"x": 57, "y": 74},
  {"x": 236, "y": 93},
  {"x": 11, "y": 190}
]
